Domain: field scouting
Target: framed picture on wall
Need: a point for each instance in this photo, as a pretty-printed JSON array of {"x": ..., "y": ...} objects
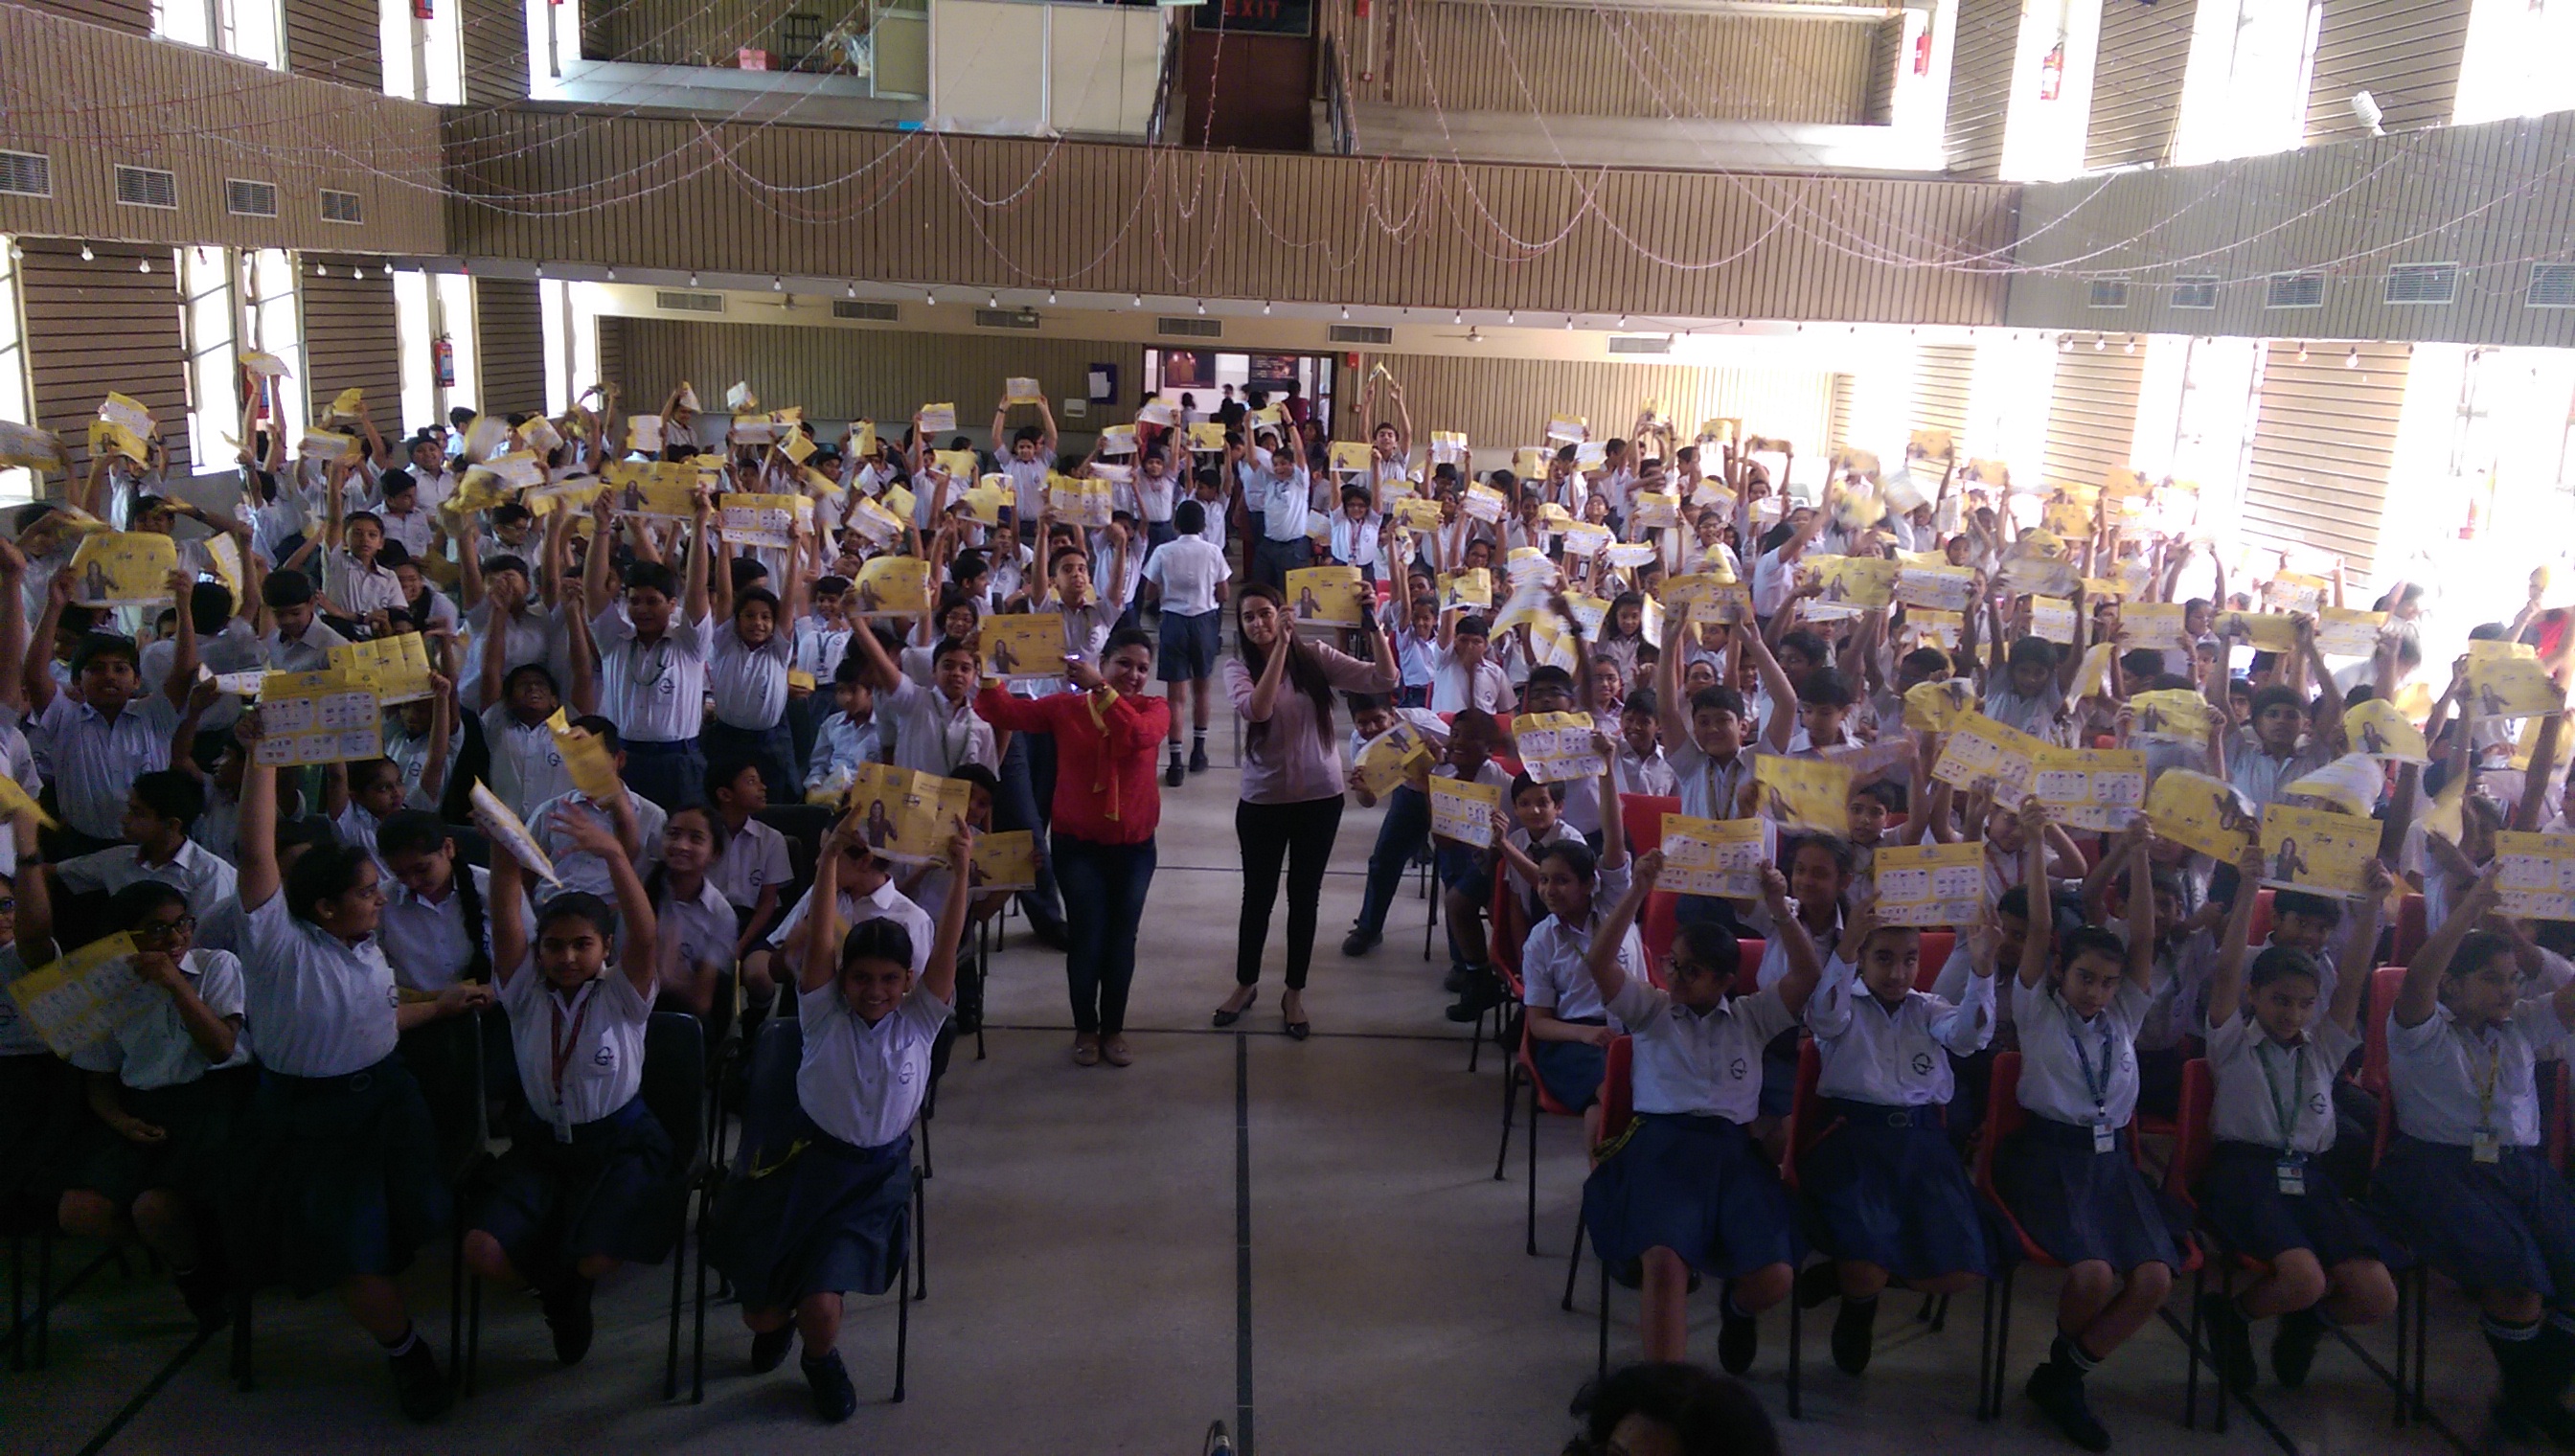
[{"x": 1256, "y": 17}]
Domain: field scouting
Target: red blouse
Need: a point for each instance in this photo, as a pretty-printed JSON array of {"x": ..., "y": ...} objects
[{"x": 1104, "y": 785}]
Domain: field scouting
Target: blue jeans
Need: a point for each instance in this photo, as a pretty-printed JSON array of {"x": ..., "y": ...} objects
[
  {"x": 1104, "y": 899},
  {"x": 672, "y": 774},
  {"x": 1018, "y": 808},
  {"x": 1400, "y": 838}
]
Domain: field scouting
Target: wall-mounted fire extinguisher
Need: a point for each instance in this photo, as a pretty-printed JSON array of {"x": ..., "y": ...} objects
[
  {"x": 1922, "y": 51},
  {"x": 442, "y": 356},
  {"x": 2051, "y": 71}
]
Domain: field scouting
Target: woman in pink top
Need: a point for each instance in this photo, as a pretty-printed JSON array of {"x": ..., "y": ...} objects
[{"x": 1292, "y": 783}]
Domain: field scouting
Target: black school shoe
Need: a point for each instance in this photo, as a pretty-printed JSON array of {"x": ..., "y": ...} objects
[
  {"x": 1855, "y": 1334},
  {"x": 418, "y": 1383},
  {"x": 1173, "y": 776},
  {"x": 208, "y": 1296},
  {"x": 1739, "y": 1336},
  {"x": 835, "y": 1398},
  {"x": 2231, "y": 1342},
  {"x": 2293, "y": 1348},
  {"x": 2058, "y": 1393},
  {"x": 567, "y": 1307},
  {"x": 1484, "y": 992},
  {"x": 768, "y": 1347}
]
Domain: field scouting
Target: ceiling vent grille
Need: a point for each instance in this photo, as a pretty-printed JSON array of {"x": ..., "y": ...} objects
[
  {"x": 1640, "y": 344},
  {"x": 2105, "y": 293},
  {"x": 1006, "y": 319},
  {"x": 1362, "y": 334},
  {"x": 2195, "y": 291},
  {"x": 688, "y": 303},
  {"x": 2552, "y": 286},
  {"x": 146, "y": 187},
  {"x": 27, "y": 174},
  {"x": 2422, "y": 283},
  {"x": 2295, "y": 291},
  {"x": 868, "y": 309},
  {"x": 1190, "y": 328}
]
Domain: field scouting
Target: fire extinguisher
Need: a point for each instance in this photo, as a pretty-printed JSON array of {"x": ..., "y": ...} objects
[
  {"x": 1922, "y": 51},
  {"x": 441, "y": 355},
  {"x": 423, "y": 9},
  {"x": 2051, "y": 72}
]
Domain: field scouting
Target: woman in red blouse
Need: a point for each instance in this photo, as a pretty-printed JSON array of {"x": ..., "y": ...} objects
[{"x": 1107, "y": 804}]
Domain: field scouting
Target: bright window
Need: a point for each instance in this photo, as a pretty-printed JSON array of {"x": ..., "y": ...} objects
[
  {"x": 209, "y": 322},
  {"x": 16, "y": 403},
  {"x": 2246, "y": 92},
  {"x": 2515, "y": 62},
  {"x": 275, "y": 315}
]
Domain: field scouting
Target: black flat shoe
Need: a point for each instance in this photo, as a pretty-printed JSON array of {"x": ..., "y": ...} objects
[
  {"x": 769, "y": 1348},
  {"x": 1224, "y": 1017},
  {"x": 1300, "y": 1031}
]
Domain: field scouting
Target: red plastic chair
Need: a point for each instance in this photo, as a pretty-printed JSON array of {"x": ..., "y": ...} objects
[
  {"x": 1642, "y": 815},
  {"x": 1617, "y": 1109},
  {"x": 1519, "y": 1072},
  {"x": 2411, "y": 930},
  {"x": 1750, "y": 951},
  {"x": 2413, "y": 1285},
  {"x": 1661, "y": 922},
  {"x": 1506, "y": 932},
  {"x": 2260, "y": 929},
  {"x": 1936, "y": 948}
]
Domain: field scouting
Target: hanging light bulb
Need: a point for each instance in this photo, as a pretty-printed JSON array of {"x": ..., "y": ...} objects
[
  {"x": 1346, "y": 312},
  {"x": 2302, "y": 351},
  {"x": 1265, "y": 308},
  {"x": 692, "y": 277},
  {"x": 2065, "y": 343},
  {"x": 2352, "y": 360},
  {"x": 850, "y": 291},
  {"x": 541, "y": 270},
  {"x": 143, "y": 267},
  {"x": 992, "y": 300},
  {"x": 1050, "y": 294},
  {"x": 320, "y": 270},
  {"x": 1139, "y": 300},
  {"x": 2133, "y": 344},
  {"x": 2101, "y": 341},
  {"x": 1511, "y": 316},
  {"x": 612, "y": 275},
  {"x": 1202, "y": 307},
  {"x": 929, "y": 297},
  {"x": 1457, "y": 317},
  {"x": 777, "y": 283},
  {"x": 1623, "y": 321},
  {"x": 86, "y": 255},
  {"x": 1569, "y": 323}
]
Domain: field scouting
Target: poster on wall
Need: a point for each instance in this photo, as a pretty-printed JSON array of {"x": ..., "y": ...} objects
[
  {"x": 1256, "y": 17},
  {"x": 1187, "y": 369},
  {"x": 1271, "y": 370}
]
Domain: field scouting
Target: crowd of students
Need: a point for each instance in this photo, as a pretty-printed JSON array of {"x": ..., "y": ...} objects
[{"x": 249, "y": 1112}]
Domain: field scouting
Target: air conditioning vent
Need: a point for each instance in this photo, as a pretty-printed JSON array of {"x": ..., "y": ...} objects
[
  {"x": 869, "y": 309},
  {"x": 1006, "y": 319},
  {"x": 2105, "y": 293},
  {"x": 2552, "y": 285},
  {"x": 2295, "y": 291},
  {"x": 688, "y": 303},
  {"x": 1640, "y": 344},
  {"x": 1362, "y": 334},
  {"x": 146, "y": 187},
  {"x": 1190, "y": 328},
  {"x": 246, "y": 199},
  {"x": 342, "y": 207},
  {"x": 28, "y": 174},
  {"x": 2195, "y": 291},
  {"x": 2423, "y": 283}
]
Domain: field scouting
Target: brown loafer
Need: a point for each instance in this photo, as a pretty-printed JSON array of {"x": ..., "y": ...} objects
[
  {"x": 1085, "y": 1050},
  {"x": 1114, "y": 1052}
]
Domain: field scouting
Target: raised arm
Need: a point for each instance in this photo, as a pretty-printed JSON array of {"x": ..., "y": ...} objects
[
  {"x": 442, "y": 723},
  {"x": 1806, "y": 966},
  {"x": 2422, "y": 986},
  {"x": 939, "y": 977},
  {"x": 507, "y": 904},
  {"x": 36, "y": 673},
  {"x": 704, "y": 548},
  {"x": 2035, "y": 945},
  {"x": 1775, "y": 684},
  {"x": 2142, "y": 912},
  {"x": 1603, "y": 960},
  {"x": 257, "y": 826},
  {"x": 2226, "y": 987},
  {"x": 2358, "y": 941},
  {"x": 823, "y": 905}
]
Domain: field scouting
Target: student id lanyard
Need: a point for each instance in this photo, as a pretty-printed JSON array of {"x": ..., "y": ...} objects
[
  {"x": 2286, "y": 1103},
  {"x": 2106, "y": 1139},
  {"x": 563, "y": 1046},
  {"x": 2484, "y": 1146}
]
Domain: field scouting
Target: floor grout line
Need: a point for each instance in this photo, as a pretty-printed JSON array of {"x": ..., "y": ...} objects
[{"x": 1242, "y": 1244}]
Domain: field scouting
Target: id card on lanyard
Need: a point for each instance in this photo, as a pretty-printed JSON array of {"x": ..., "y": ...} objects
[
  {"x": 562, "y": 1046},
  {"x": 2106, "y": 1139},
  {"x": 2291, "y": 1170},
  {"x": 2484, "y": 1145}
]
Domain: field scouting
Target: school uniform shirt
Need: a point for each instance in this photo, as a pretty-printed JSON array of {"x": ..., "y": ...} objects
[
  {"x": 310, "y": 653},
  {"x": 818, "y": 650},
  {"x": 1893, "y": 1056},
  {"x": 860, "y": 1084},
  {"x": 753, "y": 860},
  {"x": 1773, "y": 577},
  {"x": 425, "y": 940},
  {"x": 1103, "y": 556},
  {"x": 2034, "y": 715},
  {"x": 1705, "y": 1064},
  {"x": 1214, "y": 534},
  {"x": 750, "y": 684},
  {"x": 578, "y": 868},
  {"x": 2052, "y": 1083},
  {"x": 653, "y": 692},
  {"x": 1284, "y": 503},
  {"x": 885, "y": 902},
  {"x": 216, "y": 830},
  {"x": 1155, "y": 497},
  {"x": 360, "y": 588},
  {"x": 526, "y": 766},
  {"x": 1354, "y": 541},
  {"x": 1708, "y": 790},
  {"x": 410, "y": 755},
  {"x": 839, "y": 743},
  {"x": 1556, "y": 972},
  {"x": 194, "y": 871},
  {"x": 933, "y": 736},
  {"x": 1188, "y": 572},
  {"x": 411, "y": 528},
  {"x": 1774, "y": 948},
  {"x": 698, "y": 929},
  {"x": 2262, "y": 779},
  {"x": 271, "y": 524},
  {"x": 582, "y": 1053},
  {"x": 1454, "y": 687},
  {"x": 2441, "y": 1070},
  {"x": 1412, "y": 655},
  {"x": 1027, "y": 484},
  {"x": 318, "y": 1006},
  {"x": 150, "y": 1046},
  {"x": 236, "y": 648},
  {"x": 95, "y": 760},
  {"x": 524, "y": 637},
  {"x": 1558, "y": 833},
  {"x": 2256, "y": 1076}
]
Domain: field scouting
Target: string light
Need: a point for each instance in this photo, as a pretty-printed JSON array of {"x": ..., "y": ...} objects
[
  {"x": 1202, "y": 307},
  {"x": 1346, "y": 313},
  {"x": 1459, "y": 316},
  {"x": 992, "y": 300},
  {"x": 145, "y": 266},
  {"x": 693, "y": 279},
  {"x": 612, "y": 275},
  {"x": 2101, "y": 341},
  {"x": 850, "y": 291},
  {"x": 2302, "y": 351},
  {"x": 541, "y": 270},
  {"x": 86, "y": 255},
  {"x": 930, "y": 297},
  {"x": 1049, "y": 296},
  {"x": 1139, "y": 300},
  {"x": 1265, "y": 308},
  {"x": 1511, "y": 317},
  {"x": 2352, "y": 360},
  {"x": 2133, "y": 344}
]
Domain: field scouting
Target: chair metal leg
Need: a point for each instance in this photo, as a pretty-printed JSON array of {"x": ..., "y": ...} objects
[
  {"x": 2225, "y": 1290},
  {"x": 697, "y": 1341},
  {"x": 1940, "y": 1317},
  {"x": 1476, "y": 1043},
  {"x": 983, "y": 981},
  {"x": 473, "y": 1333},
  {"x": 1986, "y": 1356},
  {"x": 456, "y": 1312},
  {"x": 1572, "y": 1263},
  {"x": 1796, "y": 1353},
  {"x": 1510, "y": 1101},
  {"x": 44, "y": 1295},
  {"x": 1431, "y": 926},
  {"x": 903, "y": 1307},
  {"x": 670, "y": 1352},
  {"x": 1532, "y": 1165},
  {"x": 2190, "y": 1380},
  {"x": 2416, "y": 1410},
  {"x": 18, "y": 1300},
  {"x": 924, "y": 1149},
  {"x": 1602, "y": 1372},
  {"x": 920, "y": 1236}
]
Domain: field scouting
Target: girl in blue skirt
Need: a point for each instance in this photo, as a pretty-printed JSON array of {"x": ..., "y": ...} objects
[
  {"x": 1685, "y": 1190},
  {"x": 2266, "y": 1191},
  {"x": 1567, "y": 1027},
  {"x": 822, "y": 1208},
  {"x": 586, "y": 1184},
  {"x": 1889, "y": 1191},
  {"x": 2069, "y": 1175},
  {"x": 2465, "y": 1180}
]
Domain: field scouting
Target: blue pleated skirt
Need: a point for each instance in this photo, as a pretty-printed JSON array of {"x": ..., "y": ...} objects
[
  {"x": 2239, "y": 1195},
  {"x": 2508, "y": 1225},
  {"x": 608, "y": 1192},
  {"x": 825, "y": 1219},
  {"x": 1569, "y": 1070},
  {"x": 1888, "y": 1190},
  {"x": 2080, "y": 1205},
  {"x": 1697, "y": 1185},
  {"x": 342, "y": 1177}
]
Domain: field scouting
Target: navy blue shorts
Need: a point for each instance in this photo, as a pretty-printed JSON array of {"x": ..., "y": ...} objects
[
  {"x": 1190, "y": 646},
  {"x": 607, "y": 1192}
]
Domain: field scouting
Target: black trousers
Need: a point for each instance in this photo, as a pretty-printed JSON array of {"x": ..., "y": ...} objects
[{"x": 1300, "y": 836}]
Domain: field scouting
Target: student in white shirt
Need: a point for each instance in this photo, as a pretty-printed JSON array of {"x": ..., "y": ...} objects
[
  {"x": 301, "y": 642},
  {"x": 1569, "y": 1026},
  {"x": 1188, "y": 577},
  {"x": 1886, "y": 1183},
  {"x": 359, "y": 796},
  {"x": 653, "y": 657},
  {"x": 354, "y": 582},
  {"x": 1027, "y": 461},
  {"x": 508, "y": 625},
  {"x": 119, "y": 729},
  {"x": 585, "y": 1185},
  {"x": 1461, "y": 675},
  {"x": 437, "y": 925},
  {"x": 165, "y": 1081},
  {"x": 934, "y": 727},
  {"x": 527, "y": 764},
  {"x": 746, "y": 675},
  {"x": 1689, "y": 1166},
  {"x": 633, "y": 819},
  {"x": 401, "y": 517},
  {"x": 754, "y": 863},
  {"x": 697, "y": 925},
  {"x": 871, "y": 1004},
  {"x": 2275, "y": 1063},
  {"x": 325, "y": 1009},
  {"x": 849, "y": 736},
  {"x": 161, "y": 807}
]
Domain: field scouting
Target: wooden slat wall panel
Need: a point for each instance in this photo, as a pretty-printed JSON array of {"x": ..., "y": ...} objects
[
  {"x": 510, "y": 346},
  {"x": 853, "y": 373},
  {"x": 1942, "y": 374},
  {"x": 104, "y": 325},
  {"x": 2323, "y": 443},
  {"x": 2404, "y": 53},
  {"x": 2137, "y": 82},
  {"x": 1173, "y": 222},
  {"x": 207, "y": 116},
  {"x": 495, "y": 51},
  {"x": 691, "y": 33},
  {"x": 352, "y": 340},
  {"x": 1885, "y": 53},
  {"x": 2489, "y": 198},
  {"x": 335, "y": 40},
  {"x": 1980, "y": 71},
  {"x": 1838, "y": 417},
  {"x": 134, "y": 17},
  {"x": 1503, "y": 404},
  {"x": 1611, "y": 62},
  {"x": 2092, "y": 413},
  {"x": 612, "y": 351}
]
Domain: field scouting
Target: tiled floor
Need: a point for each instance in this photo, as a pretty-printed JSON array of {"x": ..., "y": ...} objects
[{"x": 1085, "y": 1294}]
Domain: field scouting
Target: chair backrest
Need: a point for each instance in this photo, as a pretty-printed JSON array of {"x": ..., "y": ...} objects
[
  {"x": 2260, "y": 929},
  {"x": 1506, "y": 928},
  {"x": 1619, "y": 1089},
  {"x": 1749, "y": 950},
  {"x": 2003, "y": 1116},
  {"x": 1936, "y": 946},
  {"x": 471, "y": 846},
  {"x": 1642, "y": 814},
  {"x": 2384, "y": 984},
  {"x": 769, "y": 1102},
  {"x": 2411, "y": 930},
  {"x": 804, "y": 826},
  {"x": 1661, "y": 922},
  {"x": 2194, "y": 1137},
  {"x": 674, "y": 1082},
  {"x": 1803, "y": 1124}
]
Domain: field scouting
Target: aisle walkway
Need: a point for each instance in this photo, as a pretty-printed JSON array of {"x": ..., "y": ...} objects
[{"x": 1085, "y": 1291}]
